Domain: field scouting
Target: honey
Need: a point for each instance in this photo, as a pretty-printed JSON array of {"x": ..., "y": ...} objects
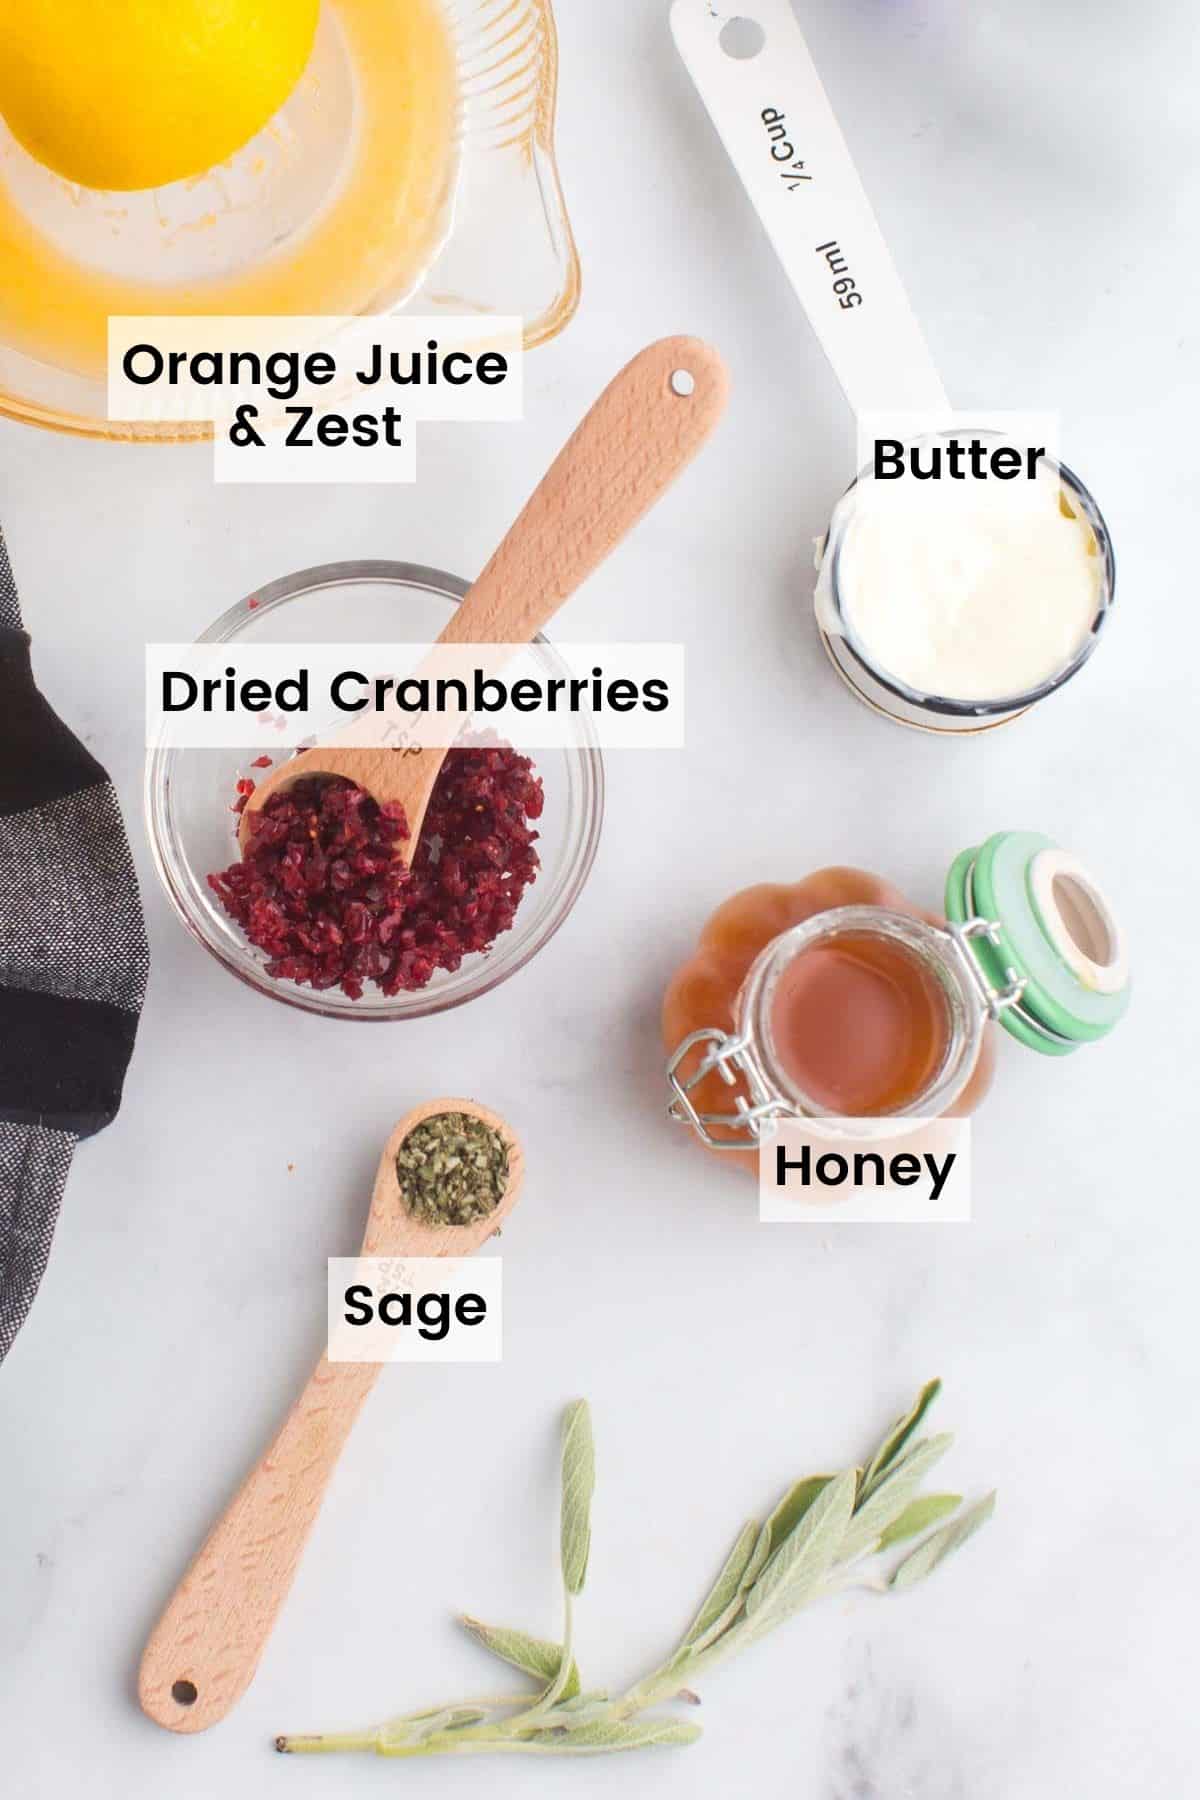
[
  {"x": 859, "y": 1025},
  {"x": 375, "y": 205}
]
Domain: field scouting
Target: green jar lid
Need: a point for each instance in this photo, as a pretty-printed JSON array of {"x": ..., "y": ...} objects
[{"x": 1052, "y": 931}]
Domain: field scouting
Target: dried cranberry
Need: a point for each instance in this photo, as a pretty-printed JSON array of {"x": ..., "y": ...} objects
[{"x": 322, "y": 892}]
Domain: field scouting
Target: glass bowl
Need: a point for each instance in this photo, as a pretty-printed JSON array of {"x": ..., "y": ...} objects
[
  {"x": 498, "y": 239},
  {"x": 189, "y": 792}
]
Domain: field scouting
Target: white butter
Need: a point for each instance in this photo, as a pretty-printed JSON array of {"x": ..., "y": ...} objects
[{"x": 975, "y": 590}]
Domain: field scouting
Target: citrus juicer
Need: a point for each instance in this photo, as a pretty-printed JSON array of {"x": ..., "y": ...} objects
[{"x": 411, "y": 168}]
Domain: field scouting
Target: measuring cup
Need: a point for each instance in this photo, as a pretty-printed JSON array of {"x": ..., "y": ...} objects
[{"x": 753, "y": 71}]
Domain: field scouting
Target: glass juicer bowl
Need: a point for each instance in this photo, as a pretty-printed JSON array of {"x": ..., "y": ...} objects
[{"x": 487, "y": 231}]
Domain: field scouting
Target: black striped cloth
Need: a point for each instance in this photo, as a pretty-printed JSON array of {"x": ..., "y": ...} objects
[{"x": 73, "y": 961}]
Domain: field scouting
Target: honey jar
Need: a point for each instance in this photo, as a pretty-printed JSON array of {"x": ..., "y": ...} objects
[{"x": 837, "y": 998}]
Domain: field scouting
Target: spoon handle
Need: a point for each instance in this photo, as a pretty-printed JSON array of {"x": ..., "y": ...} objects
[
  {"x": 203, "y": 1652},
  {"x": 642, "y": 432}
]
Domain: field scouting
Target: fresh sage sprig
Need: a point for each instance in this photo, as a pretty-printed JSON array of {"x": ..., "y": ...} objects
[{"x": 826, "y": 1534}]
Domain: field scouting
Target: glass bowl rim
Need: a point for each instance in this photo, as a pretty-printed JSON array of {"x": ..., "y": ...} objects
[{"x": 440, "y": 584}]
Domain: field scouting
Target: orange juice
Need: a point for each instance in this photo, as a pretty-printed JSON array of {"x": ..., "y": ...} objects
[{"x": 363, "y": 230}]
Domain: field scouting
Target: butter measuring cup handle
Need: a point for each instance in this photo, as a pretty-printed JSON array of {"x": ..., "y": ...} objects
[{"x": 773, "y": 116}]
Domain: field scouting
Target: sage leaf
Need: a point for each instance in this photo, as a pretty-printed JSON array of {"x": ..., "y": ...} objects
[
  {"x": 777, "y": 1529},
  {"x": 899, "y": 1435},
  {"x": 419, "y": 1728},
  {"x": 619, "y": 1734},
  {"x": 936, "y": 1548},
  {"x": 727, "y": 1586},
  {"x": 923, "y": 1455},
  {"x": 889, "y": 1499},
  {"x": 803, "y": 1560},
  {"x": 918, "y": 1517},
  {"x": 578, "y": 1702},
  {"x": 584, "y": 1710},
  {"x": 535, "y": 1656},
  {"x": 453, "y": 1718},
  {"x": 687, "y": 1654},
  {"x": 578, "y": 1486},
  {"x": 783, "y": 1521}
]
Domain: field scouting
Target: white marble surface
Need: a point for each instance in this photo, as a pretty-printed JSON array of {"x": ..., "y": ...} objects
[{"x": 1036, "y": 169}]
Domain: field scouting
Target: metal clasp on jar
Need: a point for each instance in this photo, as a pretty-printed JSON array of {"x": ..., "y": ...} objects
[
  {"x": 994, "y": 1000},
  {"x": 729, "y": 1057},
  {"x": 1012, "y": 994}
]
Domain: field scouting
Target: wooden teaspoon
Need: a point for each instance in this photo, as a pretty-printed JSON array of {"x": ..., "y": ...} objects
[
  {"x": 642, "y": 432},
  {"x": 204, "y": 1651}
]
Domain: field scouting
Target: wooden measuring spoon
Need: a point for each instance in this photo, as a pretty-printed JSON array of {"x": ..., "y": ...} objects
[
  {"x": 642, "y": 432},
  {"x": 204, "y": 1651}
]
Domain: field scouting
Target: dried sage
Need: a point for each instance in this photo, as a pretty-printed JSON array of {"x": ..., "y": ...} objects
[{"x": 452, "y": 1169}]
